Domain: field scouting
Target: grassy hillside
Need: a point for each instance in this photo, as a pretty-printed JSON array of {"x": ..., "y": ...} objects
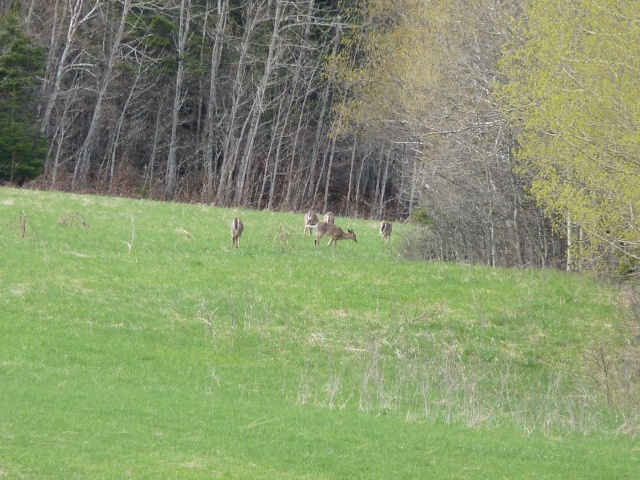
[{"x": 136, "y": 343}]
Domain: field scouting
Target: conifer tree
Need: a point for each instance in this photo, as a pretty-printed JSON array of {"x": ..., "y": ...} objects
[{"x": 22, "y": 148}]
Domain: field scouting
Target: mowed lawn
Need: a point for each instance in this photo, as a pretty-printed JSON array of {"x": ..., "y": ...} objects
[{"x": 135, "y": 342}]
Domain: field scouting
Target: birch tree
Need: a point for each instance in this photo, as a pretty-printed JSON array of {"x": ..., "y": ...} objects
[
  {"x": 74, "y": 14},
  {"x": 258, "y": 104},
  {"x": 212, "y": 119},
  {"x": 171, "y": 180},
  {"x": 86, "y": 150},
  {"x": 254, "y": 12}
]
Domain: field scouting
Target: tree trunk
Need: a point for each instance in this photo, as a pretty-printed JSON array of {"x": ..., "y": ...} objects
[
  {"x": 383, "y": 188},
  {"x": 84, "y": 158},
  {"x": 111, "y": 167},
  {"x": 216, "y": 53},
  {"x": 231, "y": 142},
  {"x": 329, "y": 169},
  {"x": 569, "y": 242},
  {"x": 491, "y": 254},
  {"x": 293, "y": 177},
  {"x": 258, "y": 106},
  {"x": 326, "y": 96},
  {"x": 149, "y": 172},
  {"x": 76, "y": 19},
  {"x": 171, "y": 178},
  {"x": 351, "y": 167},
  {"x": 278, "y": 152}
]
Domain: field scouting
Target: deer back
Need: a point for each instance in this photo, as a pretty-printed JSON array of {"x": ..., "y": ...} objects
[
  {"x": 335, "y": 232},
  {"x": 237, "y": 227},
  {"x": 329, "y": 218},
  {"x": 385, "y": 230},
  {"x": 322, "y": 228}
]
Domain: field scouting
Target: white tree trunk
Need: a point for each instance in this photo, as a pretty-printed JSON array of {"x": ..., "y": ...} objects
[
  {"x": 258, "y": 106},
  {"x": 231, "y": 142},
  {"x": 84, "y": 158},
  {"x": 171, "y": 179},
  {"x": 216, "y": 53},
  {"x": 77, "y": 17}
]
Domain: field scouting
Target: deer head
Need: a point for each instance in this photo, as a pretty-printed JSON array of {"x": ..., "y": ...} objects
[{"x": 310, "y": 221}]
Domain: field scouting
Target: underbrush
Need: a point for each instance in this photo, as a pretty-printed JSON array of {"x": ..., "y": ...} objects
[{"x": 417, "y": 366}]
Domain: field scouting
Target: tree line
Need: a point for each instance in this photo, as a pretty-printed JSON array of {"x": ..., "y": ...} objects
[{"x": 450, "y": 113}]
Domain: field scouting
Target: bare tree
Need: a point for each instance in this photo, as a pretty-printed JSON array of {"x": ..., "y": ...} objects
[
  {"x": 84, "y": 157},
  {"x": 75, "y": 14},
  {"x": 216, "y": 53},
  {"x": 258, "y": 105},
  {"x": 231, "y": 143},
  {"x": 171, "y": 180}
]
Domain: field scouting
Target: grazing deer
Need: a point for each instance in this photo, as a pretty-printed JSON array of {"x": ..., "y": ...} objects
[
  {"x": 329, "y": 218},
  {"x": 385, "y": 231},
  {"x": 310, "y": 221},
  {"x": 336, "y": 233},
  {"x": 236, "y": 232}
]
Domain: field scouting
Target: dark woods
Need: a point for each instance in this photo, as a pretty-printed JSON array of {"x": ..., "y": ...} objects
[{"x": 238, "y": 103}]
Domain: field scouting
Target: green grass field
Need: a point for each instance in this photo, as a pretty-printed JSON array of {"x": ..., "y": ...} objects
[{"x": 136, "y": 343}]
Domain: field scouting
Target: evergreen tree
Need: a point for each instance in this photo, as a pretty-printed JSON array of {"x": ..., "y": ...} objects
[{"x": 22, "y": 148}]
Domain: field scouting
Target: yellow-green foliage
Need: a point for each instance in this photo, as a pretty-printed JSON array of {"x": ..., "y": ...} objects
[
  {"x": 399, "y": 63},
  {"x": 572, "y": 93}
]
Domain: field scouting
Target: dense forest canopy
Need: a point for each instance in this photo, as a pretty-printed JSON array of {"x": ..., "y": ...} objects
[{"x": 509, "y": 129}]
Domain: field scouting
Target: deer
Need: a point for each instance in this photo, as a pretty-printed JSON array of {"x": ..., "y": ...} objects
[
  {"x": 329, "y": 218},
  {"x": 310, "y": 221},
  {"x": 335, "y": 232},
  {"x": 385, "y": 231},
  {"x": 237, "y": 227}
]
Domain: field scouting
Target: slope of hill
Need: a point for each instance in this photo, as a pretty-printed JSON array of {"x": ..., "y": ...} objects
[{"x": 136, "y": 342}]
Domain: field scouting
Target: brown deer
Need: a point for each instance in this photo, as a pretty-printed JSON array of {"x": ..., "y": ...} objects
[
  {"x": 237, "y": 227},
  {"x": 310, "y": 221},
  {"x": 329, "y": 218},
  {"x": 385, "y": 231},
  {"x": 335, "y": 232}
]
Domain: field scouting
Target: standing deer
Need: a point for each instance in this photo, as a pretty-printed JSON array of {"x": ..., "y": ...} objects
[
  {"x": 236, "y": 232},
  {"x": 329, "y": 218},
  {"x": 310, "y": 221},
  {"x": 385, "y": 231},
  {"x": 335, "y": 232}
]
